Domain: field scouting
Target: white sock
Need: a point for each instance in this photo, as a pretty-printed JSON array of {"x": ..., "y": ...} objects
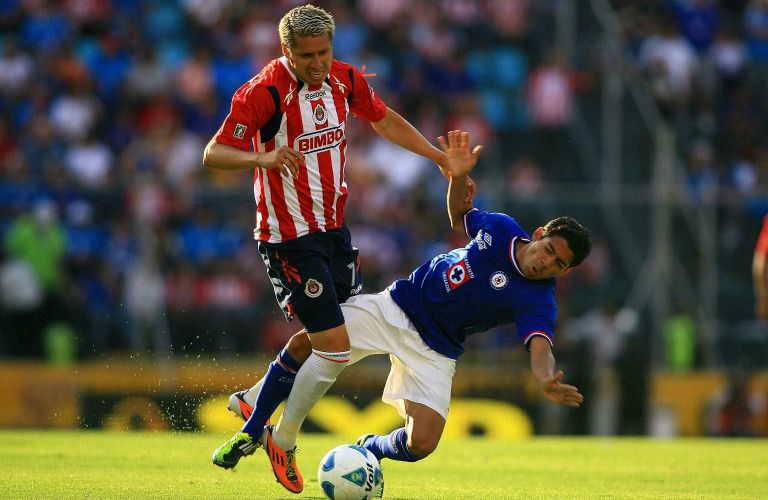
[
  {"x": 316, "y": 375},
  {"x": 250, "y": 396}
]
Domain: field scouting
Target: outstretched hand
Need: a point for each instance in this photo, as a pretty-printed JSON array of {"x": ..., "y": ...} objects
[
  {"x": 458, "y": 159},
  {"x": 562, "y": 394}
]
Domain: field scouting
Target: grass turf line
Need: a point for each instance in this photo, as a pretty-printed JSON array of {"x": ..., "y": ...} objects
[{"x": 100, "y": 464}]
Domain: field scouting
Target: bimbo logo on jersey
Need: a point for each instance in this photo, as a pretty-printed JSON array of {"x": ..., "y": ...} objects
[{"x": 320, "y": 140}]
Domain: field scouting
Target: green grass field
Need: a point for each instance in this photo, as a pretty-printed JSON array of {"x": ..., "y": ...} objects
[{"x": 97, "y": 464}]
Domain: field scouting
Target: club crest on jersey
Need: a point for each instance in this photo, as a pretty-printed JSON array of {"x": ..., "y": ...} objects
[
  {"x": 313, "y": 288},
  {"x": 320, "y": 140},
  {"x": 499, "y": 280},
  {"x": 239, "y": 131},
  {"x": 458, "y": 274},
  {"x": 320, "y": 115}
]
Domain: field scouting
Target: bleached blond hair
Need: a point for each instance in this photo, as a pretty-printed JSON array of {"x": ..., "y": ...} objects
[{"x": 305, "y": 20}]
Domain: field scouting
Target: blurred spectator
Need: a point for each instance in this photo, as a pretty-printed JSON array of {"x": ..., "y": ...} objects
[
  {"x": 736, "y": 410},
  {"x": 701, "y": 172},
  {"x": 671, "y": 65},
  {"x": 75, "y": 112},
  {"x": 16, "y": 70},
  {"x": 194, "y": 80},
  {"x": 550, "y": 98},
  {"x": 108, "y": 65},
  {"x": 148, "y": 77},
  {"x": 90, "y": 162},
  {"x": 35, "y": 243},
  {"x": 145, "y": 301},
  {"x": 680, "y": 342},
  {"x": 45, "y": 27},
  {"x": 41, "y": 146},
  {"x": 21, "y": 297},
  {"x": 730, "y": 57},
  {"x": 699, "y": 21},
  {"x": 604, "y": 329}
]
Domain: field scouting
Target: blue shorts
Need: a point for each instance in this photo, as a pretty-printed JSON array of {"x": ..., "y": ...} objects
[{"x": 312, "y": 275}]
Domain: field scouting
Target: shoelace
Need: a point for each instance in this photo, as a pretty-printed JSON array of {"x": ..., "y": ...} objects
[{"x": 290, "y": 473}]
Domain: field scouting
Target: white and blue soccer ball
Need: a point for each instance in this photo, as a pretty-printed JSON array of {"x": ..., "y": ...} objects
[{"x": 350, "y": 472}]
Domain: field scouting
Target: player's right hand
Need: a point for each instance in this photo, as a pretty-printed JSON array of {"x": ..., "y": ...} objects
[
  {"x": 562, "y": 394},
  {"x": 287, "y": 160}
]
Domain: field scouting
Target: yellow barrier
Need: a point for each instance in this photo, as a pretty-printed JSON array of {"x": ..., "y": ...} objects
[
  {"x": 687, "y": 396},
  {"x": 132, "y": 394}
]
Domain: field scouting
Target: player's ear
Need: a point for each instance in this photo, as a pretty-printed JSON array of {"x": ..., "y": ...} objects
[
  {"x": 537, "y": 234},
  {"x": 286, "y": 50}
]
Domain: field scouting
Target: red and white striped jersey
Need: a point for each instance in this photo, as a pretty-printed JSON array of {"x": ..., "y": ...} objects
[{"x": 311, "y": 119}]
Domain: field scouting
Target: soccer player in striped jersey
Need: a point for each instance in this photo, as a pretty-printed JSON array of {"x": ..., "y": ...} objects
[
  {"x": 288, "y": 124},
  {"x": 501, "y": 276}
]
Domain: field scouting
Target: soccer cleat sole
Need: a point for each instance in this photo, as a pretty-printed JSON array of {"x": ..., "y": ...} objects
[{"x": 239, "y": 406}]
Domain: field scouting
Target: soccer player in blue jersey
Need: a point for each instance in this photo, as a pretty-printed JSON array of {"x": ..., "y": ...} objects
[{"x": 501, "y": 276}]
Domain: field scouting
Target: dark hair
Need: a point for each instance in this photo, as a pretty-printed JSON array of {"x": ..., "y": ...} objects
[{"x": 574, "y": 233}]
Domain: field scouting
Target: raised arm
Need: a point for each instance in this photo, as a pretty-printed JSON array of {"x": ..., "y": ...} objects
[
  {"x": 398, "y": 130},
  {"x": 459, "y": 162},
  {"x": 543, "y": 368}
]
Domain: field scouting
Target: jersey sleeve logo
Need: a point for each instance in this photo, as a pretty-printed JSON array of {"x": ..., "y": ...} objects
[
  {"x": 289, "y": 96},
  {"x": 458, "y": 274},
  {"x": 340, "y": 85},
  {"x": 239, "y": 131},
  {"x": 483, "y": 240}
]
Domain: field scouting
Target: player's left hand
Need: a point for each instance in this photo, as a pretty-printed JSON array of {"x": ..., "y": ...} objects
[
  {"x": 458, "y": 158},
  {"x": 562, "y": 394}
]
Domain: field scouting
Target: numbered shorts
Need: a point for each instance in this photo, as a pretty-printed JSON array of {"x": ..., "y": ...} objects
[
  {"x": 376, "y": 325},
  {"x": 312, "y": 274}
]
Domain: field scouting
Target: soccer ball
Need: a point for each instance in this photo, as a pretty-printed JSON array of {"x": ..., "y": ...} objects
[{"x": 350, "y": 472}]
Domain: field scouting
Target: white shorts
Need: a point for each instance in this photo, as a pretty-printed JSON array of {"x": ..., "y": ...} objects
[{"x": 376, "y": 325}]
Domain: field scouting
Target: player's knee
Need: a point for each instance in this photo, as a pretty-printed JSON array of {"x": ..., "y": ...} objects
[
  {"x": 332, "y": 340},
  {"x": 299, "y": 346},
  {"x": 422, "y": 445}
]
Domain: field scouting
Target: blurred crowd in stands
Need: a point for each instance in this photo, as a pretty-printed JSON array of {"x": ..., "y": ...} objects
[{"x": 112, "y": 229}]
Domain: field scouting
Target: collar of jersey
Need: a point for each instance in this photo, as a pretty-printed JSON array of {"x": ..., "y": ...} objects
[
  {"x": 512, "y": 254},
  {"x": 284, "y": 61}
]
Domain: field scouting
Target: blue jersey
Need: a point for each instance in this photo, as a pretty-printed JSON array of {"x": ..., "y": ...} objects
[{"x": 475, "y": 288}]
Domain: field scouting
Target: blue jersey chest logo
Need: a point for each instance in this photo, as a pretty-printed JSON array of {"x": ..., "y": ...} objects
[
  {"x": 458, "y": 274},
  {"x": 499, "y": 280}
]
